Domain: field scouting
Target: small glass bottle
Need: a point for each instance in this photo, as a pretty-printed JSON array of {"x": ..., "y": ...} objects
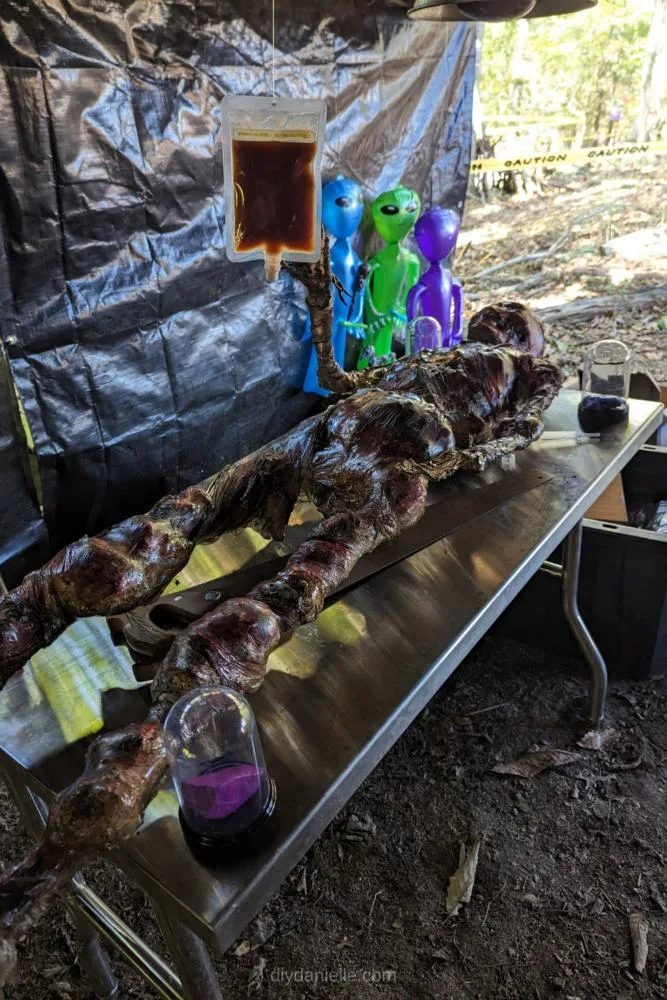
[
  {"x": 226, "y": 796},
  {"x": 605, "y": 385}
]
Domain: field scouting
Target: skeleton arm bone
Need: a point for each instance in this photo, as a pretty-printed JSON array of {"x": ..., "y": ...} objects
[
  {"x": 538, "y": 388},
  {"x": 317, "y": 280}
]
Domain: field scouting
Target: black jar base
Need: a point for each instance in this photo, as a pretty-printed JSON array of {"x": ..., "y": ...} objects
[
  {"x": 598, "y": 413},
  {"x": 222, "y": 848}
]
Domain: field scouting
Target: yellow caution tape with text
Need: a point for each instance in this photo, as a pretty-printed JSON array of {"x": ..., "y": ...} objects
[{"x": 594, "y": 154}]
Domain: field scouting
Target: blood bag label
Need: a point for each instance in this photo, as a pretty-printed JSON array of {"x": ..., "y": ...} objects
[{"x": 286, "y": 135}]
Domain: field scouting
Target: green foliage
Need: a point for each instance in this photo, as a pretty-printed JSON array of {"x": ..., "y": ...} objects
[{"x": 578, "y": 64}]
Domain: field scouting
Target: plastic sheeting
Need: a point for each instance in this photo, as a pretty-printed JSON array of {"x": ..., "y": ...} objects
[
  {"x": 144, "y": 359},
  {"x": 23, "y": 537}
]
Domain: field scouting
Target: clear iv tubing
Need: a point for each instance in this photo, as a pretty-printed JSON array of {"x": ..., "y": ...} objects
[{"x": 569, "y": 437}]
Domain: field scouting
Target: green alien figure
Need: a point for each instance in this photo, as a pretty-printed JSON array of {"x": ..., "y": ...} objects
[{"x": 393, "y": 272}]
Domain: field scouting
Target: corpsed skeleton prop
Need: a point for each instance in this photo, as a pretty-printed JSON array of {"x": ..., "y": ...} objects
[{"x": 365, "y": 463}]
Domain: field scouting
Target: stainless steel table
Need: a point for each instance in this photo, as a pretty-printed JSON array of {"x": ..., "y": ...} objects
[{"x": 339, "y": 694}]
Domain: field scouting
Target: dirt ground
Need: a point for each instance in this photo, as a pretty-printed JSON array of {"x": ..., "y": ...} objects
[
  {"x": 590, "y": 209},
  {"x": 566, "y": 856}
]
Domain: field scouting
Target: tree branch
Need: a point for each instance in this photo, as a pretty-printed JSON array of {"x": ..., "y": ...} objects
[{"x": 582, "y": 309}]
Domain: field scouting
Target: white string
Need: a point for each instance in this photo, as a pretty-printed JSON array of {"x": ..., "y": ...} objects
[{"x": 273, "y": 46}]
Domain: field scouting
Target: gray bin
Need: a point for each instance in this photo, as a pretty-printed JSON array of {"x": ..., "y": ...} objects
[{"x": 622, "y": 587}]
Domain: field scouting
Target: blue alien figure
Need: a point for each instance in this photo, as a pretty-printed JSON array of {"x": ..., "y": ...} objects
[
  {"x": 342, "y": 209},
  {"x": 437, "y": 290}
]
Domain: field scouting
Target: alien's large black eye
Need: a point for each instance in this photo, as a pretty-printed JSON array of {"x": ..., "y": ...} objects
[
  {"x": 344, "y": 201},
  {"x": 389, "y": 209},
  {"x": 411, "y": 207}
]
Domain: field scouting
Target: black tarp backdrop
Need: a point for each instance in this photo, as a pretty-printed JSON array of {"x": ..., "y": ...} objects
[
  {"x": 144, "y": 359},
  {"x": 23, "y": 541}
]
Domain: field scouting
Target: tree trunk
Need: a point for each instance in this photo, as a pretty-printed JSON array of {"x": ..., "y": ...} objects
[
  {"x": 654, "y": 76},
  {"x": 519, "y": 70},
  {"x": 478, "y": 126}
]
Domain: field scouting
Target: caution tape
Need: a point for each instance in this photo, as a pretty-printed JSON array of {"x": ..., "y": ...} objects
[{"x": 594, "y": 154}]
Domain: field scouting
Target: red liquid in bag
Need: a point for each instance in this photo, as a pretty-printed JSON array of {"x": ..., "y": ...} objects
[{"x": 274, "y": 195}]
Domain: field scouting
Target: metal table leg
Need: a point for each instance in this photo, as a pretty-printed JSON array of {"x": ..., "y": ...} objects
[
  {"x": 91, "y": 909},
  {"x": 190, "y": 957},
  {"x": 91, "y": 955},
  {"x": 570, "y": 574},
  {"x": 93, "y": 959}
]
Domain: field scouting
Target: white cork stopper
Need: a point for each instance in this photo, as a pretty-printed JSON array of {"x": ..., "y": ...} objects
[{"x": 272, "y": 265}]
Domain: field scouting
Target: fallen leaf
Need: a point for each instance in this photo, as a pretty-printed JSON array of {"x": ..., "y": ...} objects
[
  {"x": 52, "y": 970},
  {"x": 532, "y": 763},
  {"x": 530, "y": 899},
  {"x": 639, "y": 934},
  {"x": 442, "y": 954},
  {"x": 359, "y": 827},
  {"x": 595, "y": 739},
  {"x": 462, "y": 881},
  {"x": 263, "y": 928},
  {"x": 601, "y": 809},
  {"x": 303, "y": 882}
]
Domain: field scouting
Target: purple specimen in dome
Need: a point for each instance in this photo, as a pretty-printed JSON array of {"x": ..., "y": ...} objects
[
  {"x": 437, "y": 291},
  {"x": 217, "y": 794}
]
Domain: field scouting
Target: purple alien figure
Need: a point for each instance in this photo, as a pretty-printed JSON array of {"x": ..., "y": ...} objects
[{"x": 437, "y": 291}]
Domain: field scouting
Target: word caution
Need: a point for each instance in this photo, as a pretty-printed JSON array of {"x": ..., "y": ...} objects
[{"x": 592, "y": 155}]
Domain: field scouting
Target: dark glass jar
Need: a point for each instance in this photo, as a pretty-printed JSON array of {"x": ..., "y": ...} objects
[{"x": 605, "y": 385}]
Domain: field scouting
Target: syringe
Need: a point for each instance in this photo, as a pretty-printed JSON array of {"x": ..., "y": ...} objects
[{"x": 569, "y": 437}]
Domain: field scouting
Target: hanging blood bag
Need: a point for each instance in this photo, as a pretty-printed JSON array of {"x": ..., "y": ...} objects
[{"x": 273, "y": 194}]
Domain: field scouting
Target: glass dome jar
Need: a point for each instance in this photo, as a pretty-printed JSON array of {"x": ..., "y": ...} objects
[
  {"x": 423, "y": 333},
  {"x": 226, "y": 796}
]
